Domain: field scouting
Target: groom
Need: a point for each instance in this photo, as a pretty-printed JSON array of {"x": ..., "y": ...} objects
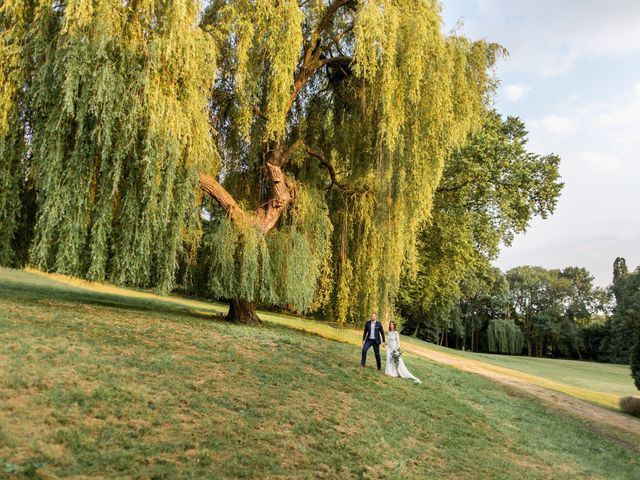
[{"x": 371, "y": 338}]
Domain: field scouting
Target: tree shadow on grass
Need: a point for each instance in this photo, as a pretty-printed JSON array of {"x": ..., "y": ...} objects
[{"x": 45, "y": 290}]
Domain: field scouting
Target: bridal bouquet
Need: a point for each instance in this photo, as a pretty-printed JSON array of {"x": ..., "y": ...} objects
[{"x": 395, "y": 357}]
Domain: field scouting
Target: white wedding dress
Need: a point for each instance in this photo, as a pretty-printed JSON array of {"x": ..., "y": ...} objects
[{"x": 389, "y": 368}]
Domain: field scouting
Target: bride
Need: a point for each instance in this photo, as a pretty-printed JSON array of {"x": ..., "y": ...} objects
[{"x": 395, "y": 367}]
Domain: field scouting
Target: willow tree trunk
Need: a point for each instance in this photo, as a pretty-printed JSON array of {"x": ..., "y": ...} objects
[
  {"x": 241, "y": 311},
  {"x": 265, "y": 218}
]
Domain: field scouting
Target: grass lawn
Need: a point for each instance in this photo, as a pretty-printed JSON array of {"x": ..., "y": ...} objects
[
  {"x": 600, "y": 377},
  {"x": 599, "y": 383},
  {"x": 100, "y": 384}
]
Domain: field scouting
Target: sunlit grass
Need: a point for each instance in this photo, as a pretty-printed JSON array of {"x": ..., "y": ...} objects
[
  {"x": 599, "y": 383},
  {"x": 608, "y": 382},
  {"x": 100, "y": 384}
]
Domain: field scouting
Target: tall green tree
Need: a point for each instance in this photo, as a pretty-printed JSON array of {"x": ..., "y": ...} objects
[
  {"x": 113, "y": 121},
  {"x": 491, "y": 188},
  {"x": 485, "y": 297},
  {"x": 318, "y": 129},
  {"x": 623, "y": 328},
  {"x": 532, "y": 300},
  {"x": 582, "y": 303},
  {"x": 552, "y": 307},
  {"x": 333, "y": 120}
]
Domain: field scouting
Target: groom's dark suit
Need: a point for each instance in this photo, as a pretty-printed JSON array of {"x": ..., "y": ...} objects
[{"x": 374, "y": 342}]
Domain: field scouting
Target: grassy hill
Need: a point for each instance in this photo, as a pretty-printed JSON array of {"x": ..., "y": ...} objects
[
  {"x": 599, "y": 383},
  {"x": 118, "y": 383}
]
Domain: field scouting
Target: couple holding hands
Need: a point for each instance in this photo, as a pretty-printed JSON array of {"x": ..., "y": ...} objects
[{"x": 373, "y": 336}]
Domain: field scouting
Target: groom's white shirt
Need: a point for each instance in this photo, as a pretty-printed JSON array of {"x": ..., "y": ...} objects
[{"x": 372, "y": 330}]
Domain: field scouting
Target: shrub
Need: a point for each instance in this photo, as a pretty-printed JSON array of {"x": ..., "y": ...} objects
[
  {"x": 630, "y": 405},
  {"x": 635, "y": 359},
  {"x": 504, "y": 336}
]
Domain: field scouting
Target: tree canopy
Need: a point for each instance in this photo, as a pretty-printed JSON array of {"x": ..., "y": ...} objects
[
  {"x": 319, "y": 130},
  {"x": 107, "y": 114},
  {"x": 490, "y": 190},
  {"x": 552, "y": 305},
  {"x": 347, "y": 110}
]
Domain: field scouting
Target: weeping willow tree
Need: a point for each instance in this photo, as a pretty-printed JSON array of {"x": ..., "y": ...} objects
[
  {"x": 504, "y": 336},
  {"x": 112, "y": 116},
  {"x": 344, "y": 110},
  {"x": 317, "y": 129}
]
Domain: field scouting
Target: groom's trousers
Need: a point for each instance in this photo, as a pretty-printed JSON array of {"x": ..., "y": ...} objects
[{"x": 376, "y": 349}]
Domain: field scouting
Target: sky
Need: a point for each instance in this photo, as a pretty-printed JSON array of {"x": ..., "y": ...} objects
[{"x": 573, "y": 76}]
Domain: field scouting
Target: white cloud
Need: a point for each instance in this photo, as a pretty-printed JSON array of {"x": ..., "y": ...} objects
[
  {"x": 624, "y": 116},
  {"x": 547, "y": 37},
  {"x": 591, "y": 107},
  {"x": 598, "y": 163},
  {"x": 559, "y": 124},
  {"x": 516, "y": 91}
]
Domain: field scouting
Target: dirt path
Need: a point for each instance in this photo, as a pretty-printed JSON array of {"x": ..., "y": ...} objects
[{"x": 617, "y": 425}]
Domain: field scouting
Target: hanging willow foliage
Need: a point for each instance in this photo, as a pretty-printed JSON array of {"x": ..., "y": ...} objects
[
  {"x": 120, "y": 130},
  {"x": 504, "y": 336},
  {"x": 417, "y": 95},
  {"x": 281, "y": 268},
  {"x": 332, "y": 120},
  {"x": 14, "y": 175},
  {"x": 359, "y": 100}
]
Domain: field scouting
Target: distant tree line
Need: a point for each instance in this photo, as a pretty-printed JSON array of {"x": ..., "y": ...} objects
[{"x": 540, "y": 312}]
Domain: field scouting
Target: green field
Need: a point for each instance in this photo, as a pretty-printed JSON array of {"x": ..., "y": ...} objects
[
  {"x": 117, "y": 383},
  {"x": 600, "y": 377},
  {"x": 599, "y": 383}
]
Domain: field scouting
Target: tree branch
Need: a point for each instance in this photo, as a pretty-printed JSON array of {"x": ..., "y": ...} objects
[
  {"x": 266, "y": 216},
  {"x": 211, "y": 186},
  {"x": 454, "y": 188},
  {"x": 330, "y": 60},
  {"x": 283, "y": 192},
  {"x": 336, "y": 40},
  {"x": 329, "y": 13},
  {"x": 311, "y": 56},
  {"x": 326, "y": 164},
  {"x": 258, "y": 112}
]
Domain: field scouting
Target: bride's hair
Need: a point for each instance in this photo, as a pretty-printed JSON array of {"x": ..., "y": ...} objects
[{"x": 394, "y": 325}]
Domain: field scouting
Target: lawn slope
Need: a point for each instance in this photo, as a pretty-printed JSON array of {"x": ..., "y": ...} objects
[
  {"x": 598, "y": 383},
  {"x": 100, "y": 384}
]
